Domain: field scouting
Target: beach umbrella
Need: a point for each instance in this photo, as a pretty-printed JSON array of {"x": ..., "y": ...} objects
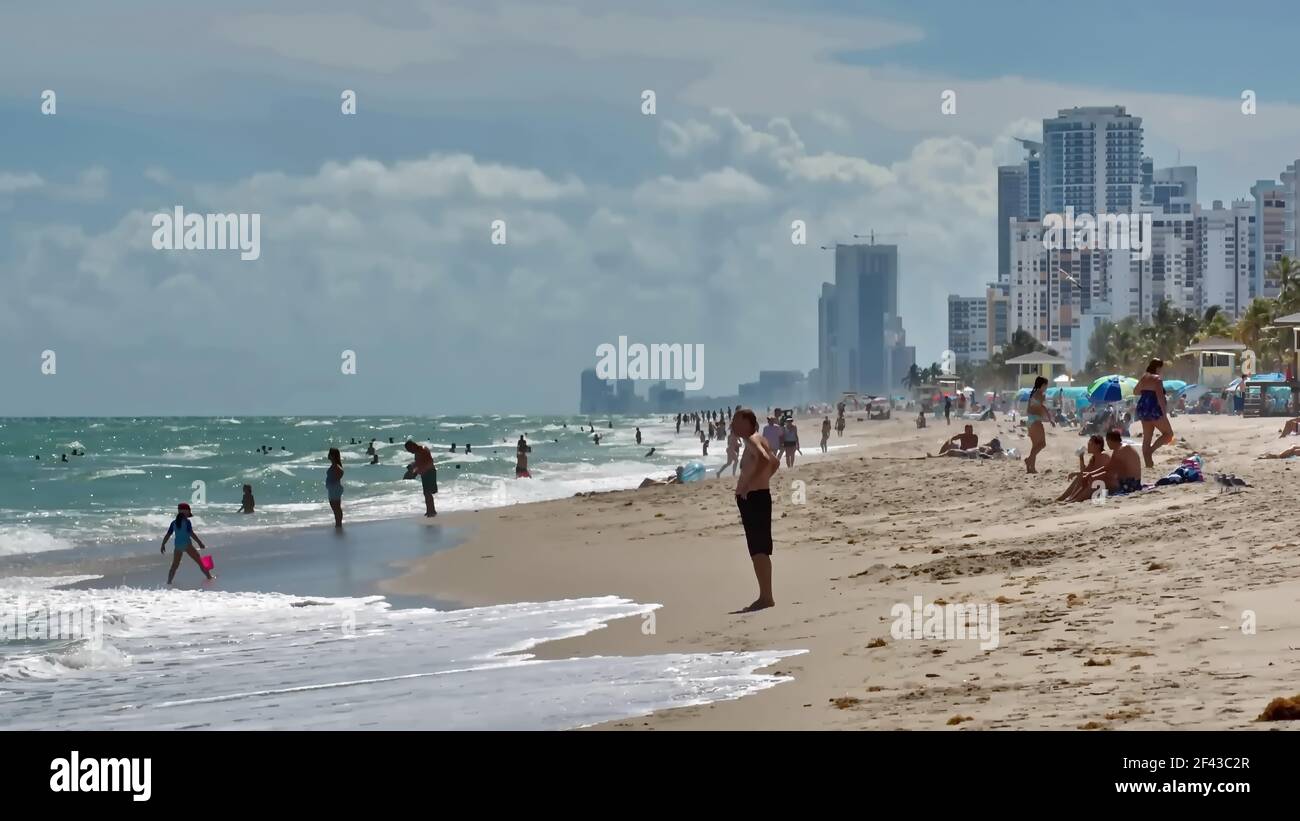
[
  {"x": 1111, "y": 389},
  {"x": 1174, "y": 385},
  {"x": 1123, "y": 380}
]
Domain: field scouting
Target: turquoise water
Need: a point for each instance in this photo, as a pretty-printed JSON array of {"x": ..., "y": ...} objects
[{"x": 136, "y": 470}]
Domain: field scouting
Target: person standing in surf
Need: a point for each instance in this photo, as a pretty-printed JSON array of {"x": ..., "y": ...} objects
[
  {"x": 1151, "y": 411},
  {"x": 1036, "y": 412},
  {"x": 183, "y": 530},
  {"x": 754, "y": 500},
  {"x": 334, "y": 485},
  {"x": 428, "y": 473}
]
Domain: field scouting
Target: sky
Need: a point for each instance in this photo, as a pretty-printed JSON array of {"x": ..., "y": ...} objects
[{"x": 671, "y": 227}]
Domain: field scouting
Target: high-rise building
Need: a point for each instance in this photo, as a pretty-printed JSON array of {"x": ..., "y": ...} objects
[
  {"x": 900, "y": 356},
  {"x": 968, "y": 328},
  {"x": 1270, "y": 200},
  {"x": 1031, "y": 191},
  {"x": 596, "y": 394},
  {"x": 1092, "y": 161},
  {"x": 1171, "y": 272},
  {"x": 1038, "y": 300},
  {"x": 1175, "y": 181},
  {"x": 1225, "y": 244},
  {"x": 1019, "y": 197},
  {"x": 1011, "y": 192},
  {"x": 999, "y": 317},
  {"x": 866, "y": 301},
  {"x": 826, "y": 319}
]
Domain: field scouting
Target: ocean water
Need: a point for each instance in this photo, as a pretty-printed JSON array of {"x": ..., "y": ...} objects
[
  {"x": 186, "y": 659},
  {"x": 287, "y": 638},
  {"x": 136, "y": 470}
]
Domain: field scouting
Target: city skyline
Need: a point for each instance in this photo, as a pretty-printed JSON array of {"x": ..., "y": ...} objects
[{"x": 376, "y": 227}]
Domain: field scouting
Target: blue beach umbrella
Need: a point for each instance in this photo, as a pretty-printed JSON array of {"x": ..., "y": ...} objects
[
  {"x": 1174, "y": 385},
  {"x": 1111, "y": 389}
]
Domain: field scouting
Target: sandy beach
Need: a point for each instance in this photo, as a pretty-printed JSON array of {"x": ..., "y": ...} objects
[{"x": 1122, "y": 615}]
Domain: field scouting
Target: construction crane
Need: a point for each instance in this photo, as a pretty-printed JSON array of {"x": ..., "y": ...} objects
[{"x": 871, "y": 236}]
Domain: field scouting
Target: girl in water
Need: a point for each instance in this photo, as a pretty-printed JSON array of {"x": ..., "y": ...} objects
[
  {"x": 334, "y": 485},
  {"x": 1036, "y": 412},
  {"x": 1151, "y": 411}
]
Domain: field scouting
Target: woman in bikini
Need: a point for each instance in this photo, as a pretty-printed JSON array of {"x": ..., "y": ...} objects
[
  {"x": 1036, "y": 412},
  {"x": 1151, "y": 411}
]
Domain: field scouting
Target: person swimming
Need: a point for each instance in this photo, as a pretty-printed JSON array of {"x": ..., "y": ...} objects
[{"x": 467, "y": 446}]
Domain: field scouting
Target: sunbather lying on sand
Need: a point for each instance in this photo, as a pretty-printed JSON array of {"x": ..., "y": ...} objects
[
  {"x": 675, "y": 479},
  {"x": 1294, "y": 450}
]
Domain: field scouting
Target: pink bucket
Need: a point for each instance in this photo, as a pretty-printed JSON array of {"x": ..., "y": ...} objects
[{"x": 206, "y": 562}]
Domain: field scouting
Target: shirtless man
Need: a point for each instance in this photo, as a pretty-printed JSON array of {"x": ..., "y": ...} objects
[
  {"x": 754, "y": 499},
  {"x": 1097, "y": 460},
  {"x": 428, "y": 473},
  {"x": 826, "y": 432},
  {"x": 966, "y": 440},
  {"x": 1122, "y": 474}
]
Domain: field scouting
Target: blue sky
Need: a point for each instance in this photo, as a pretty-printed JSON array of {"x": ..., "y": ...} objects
[{"x": 665, "y": 228}]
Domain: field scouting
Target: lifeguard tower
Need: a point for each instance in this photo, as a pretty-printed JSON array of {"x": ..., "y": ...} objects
[
  {"x": 1033, "y": 365},
  {"x": 1216, "y": 361}
]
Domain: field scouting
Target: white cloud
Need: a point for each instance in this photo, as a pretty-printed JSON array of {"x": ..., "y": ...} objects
[
  {"x": 397, "y": 256},
  {"x": 11, "y": 183},
  {"x": 713, "y": 189}
]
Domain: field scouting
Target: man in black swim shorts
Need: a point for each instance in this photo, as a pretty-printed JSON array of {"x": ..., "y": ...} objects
[{"x": 754, "y": 500}]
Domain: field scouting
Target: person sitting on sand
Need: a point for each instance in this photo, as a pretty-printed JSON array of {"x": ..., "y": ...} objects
[
  {"x": 1291, "y": 426},
  {"x": 1121, "y": 474},
  {"x": 1097, "y": 459},
  {"x": 964, "y": 441},
  {"x": 920, "y": 419},
  {"x": 247, "y": 504}
]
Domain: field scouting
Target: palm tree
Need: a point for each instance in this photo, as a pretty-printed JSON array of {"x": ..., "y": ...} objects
[
  {"x": 1287, "y": 274},
  {"x": 1127, "y": 349},
  {"x": 1251, "y": 328},
  {"x": 913, "y": 377}
]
